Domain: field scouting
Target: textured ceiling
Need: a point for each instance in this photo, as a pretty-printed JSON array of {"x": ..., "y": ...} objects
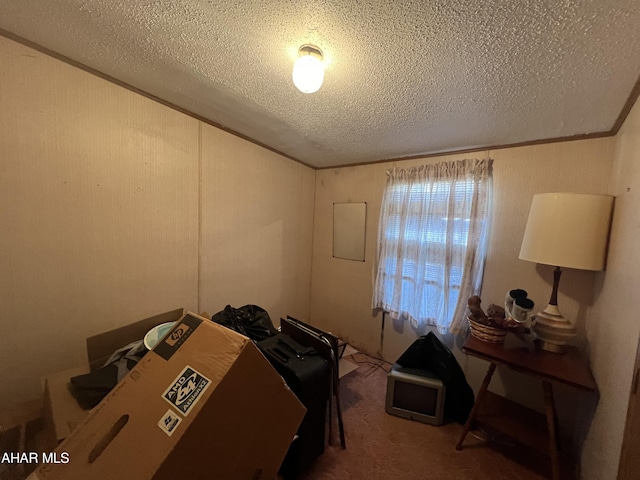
[{"x": 403, "y": 78}]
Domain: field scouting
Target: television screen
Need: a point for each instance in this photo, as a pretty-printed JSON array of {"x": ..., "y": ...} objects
[{"x": 415, "y": 398}]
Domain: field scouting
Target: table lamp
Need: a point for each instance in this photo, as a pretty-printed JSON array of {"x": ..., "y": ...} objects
[{"x": 568, "y": 230}]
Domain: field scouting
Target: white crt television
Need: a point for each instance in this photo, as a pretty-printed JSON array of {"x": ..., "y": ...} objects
[{"x": 415, "y": 394}]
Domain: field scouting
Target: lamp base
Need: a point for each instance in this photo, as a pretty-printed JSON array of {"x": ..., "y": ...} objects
[
  {"x": 552, "y": 330},
  {"x": 549, "y": 347}
]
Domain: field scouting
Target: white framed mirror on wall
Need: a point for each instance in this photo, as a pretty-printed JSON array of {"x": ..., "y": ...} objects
[{"x": 349, "y": 223}]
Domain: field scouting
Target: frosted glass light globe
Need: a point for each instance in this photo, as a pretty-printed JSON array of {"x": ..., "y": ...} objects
[{"x": 308, "y": 73}]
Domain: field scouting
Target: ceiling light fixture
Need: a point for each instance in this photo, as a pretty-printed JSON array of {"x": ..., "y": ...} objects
[{"x": 308, "y": 69}]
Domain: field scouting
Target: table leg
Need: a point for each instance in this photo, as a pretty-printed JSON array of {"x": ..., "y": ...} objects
[
  {"x": 472, "y": 414},
  {"x": 551, "y": 427}
]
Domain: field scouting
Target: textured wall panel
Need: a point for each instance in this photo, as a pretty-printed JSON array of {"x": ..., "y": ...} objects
[
  {"x": 612, "y": 326},
  {"x": 98, "y": 213},
  {"x": 257, "y": 220}
]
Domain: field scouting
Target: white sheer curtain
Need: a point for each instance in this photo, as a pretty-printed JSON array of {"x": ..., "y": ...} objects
[{"x": 432, "y": 239}]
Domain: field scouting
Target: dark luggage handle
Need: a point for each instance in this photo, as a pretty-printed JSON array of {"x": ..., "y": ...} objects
[
  {"x": 276, "y": 352},
  {"x": 283, "y": 351},
  {"x": 291, "y": 349}
]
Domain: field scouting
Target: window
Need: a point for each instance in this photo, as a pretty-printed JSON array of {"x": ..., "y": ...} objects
[{"x": 432, "y": 241}]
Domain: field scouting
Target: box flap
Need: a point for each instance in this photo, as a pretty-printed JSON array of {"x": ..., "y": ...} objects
[{"x": 62, "y": 411}]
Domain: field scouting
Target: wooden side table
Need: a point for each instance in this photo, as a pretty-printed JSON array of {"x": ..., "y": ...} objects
[{"x": 568, "y": 368}]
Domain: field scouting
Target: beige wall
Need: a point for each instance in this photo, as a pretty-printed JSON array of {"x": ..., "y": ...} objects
[
  {"x": 114, "y": 208},
  {"x": 257, "y": 220},
  {"x": 98, "y": 221},
  {"x": 342, "y": 289},
  {"x": 613, "y": 327}
]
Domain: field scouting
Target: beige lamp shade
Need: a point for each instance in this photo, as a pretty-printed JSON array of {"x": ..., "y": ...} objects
[{"x": 568, "y": 230}]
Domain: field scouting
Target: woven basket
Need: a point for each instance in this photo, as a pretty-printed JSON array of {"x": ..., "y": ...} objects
[{"x": 486, "y": 333}]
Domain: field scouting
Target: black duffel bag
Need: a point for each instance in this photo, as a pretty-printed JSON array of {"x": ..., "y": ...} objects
[{"x": 429, "y": 353}]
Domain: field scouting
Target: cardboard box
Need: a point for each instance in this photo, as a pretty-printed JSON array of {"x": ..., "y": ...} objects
[
  {"x": 204, "y": 404},
  {"x": 62, "y": 411}
]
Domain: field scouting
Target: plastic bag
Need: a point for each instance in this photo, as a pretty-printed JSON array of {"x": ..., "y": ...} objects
[{"x": 251, "y": 321}]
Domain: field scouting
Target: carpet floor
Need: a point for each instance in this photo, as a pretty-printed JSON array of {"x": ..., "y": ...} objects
[{"x": 380, "y": 446}]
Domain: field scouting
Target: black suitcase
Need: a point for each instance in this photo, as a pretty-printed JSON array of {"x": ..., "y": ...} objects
[{"x": 308, "y": 376}]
